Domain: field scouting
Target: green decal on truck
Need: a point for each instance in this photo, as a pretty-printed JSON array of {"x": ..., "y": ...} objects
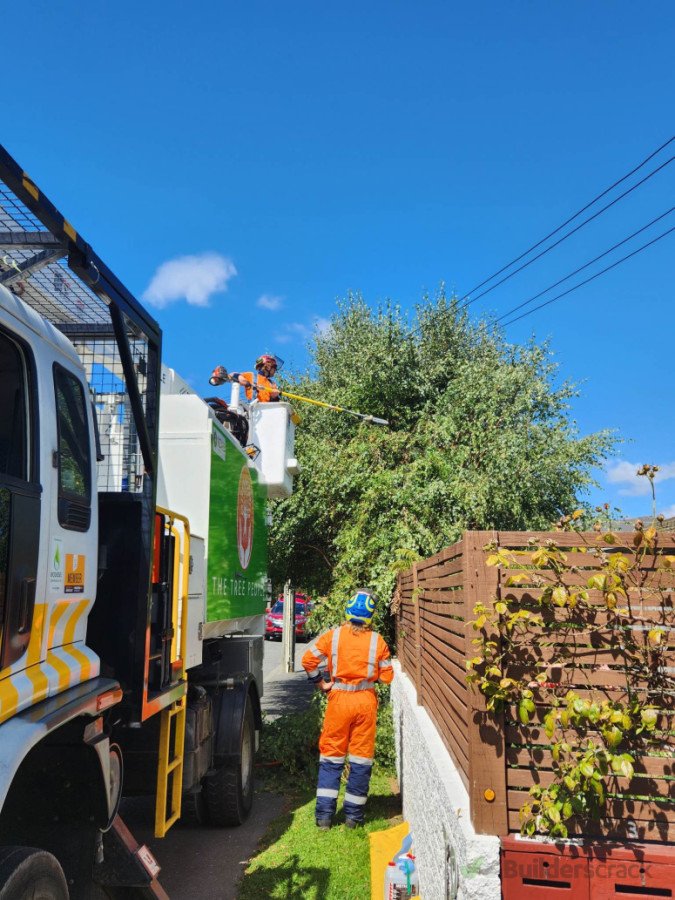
[{"x": 237, "y": 563}]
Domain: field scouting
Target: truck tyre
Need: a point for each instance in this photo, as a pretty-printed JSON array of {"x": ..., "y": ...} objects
[
  {"x": 194, "y": 813},
  {"x": 30, "y": 874},
  {"x": 228, "y": 789}
]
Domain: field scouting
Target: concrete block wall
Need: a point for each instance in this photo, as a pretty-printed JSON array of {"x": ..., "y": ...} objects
[{"x": 454, "y": 862}]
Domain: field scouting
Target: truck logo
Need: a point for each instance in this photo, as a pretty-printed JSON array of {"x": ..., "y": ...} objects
[
  {"x": 218, "y": 443},
  {"x": 245, "y": 518},
  {"x": 56, "y": 568},
  {"x": 74, "y": 575}
]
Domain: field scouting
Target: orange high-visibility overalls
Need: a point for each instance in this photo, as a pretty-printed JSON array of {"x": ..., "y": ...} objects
[
  {"x": 355, "y": 660},
  {"x": 264, "y": 387}
]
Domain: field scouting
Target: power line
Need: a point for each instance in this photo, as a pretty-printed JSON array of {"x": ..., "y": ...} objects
[
  {"x": 592, "y": 277},
  {"x": 571, "y": 218},
  {"x": 571, "y": 232},
  {"x": 585, "y": 265}
]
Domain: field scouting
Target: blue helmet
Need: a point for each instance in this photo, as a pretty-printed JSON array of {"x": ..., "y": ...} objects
[{"x": 361, "y": 607}]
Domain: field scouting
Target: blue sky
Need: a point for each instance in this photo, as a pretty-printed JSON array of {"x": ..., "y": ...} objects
[{"x": 285, "y": 153}]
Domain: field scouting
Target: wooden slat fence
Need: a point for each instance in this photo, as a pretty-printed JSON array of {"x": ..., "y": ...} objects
[{"x": 497, "y": 753}]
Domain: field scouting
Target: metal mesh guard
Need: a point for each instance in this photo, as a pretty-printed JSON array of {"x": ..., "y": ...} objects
[{"x": 33, "y": 266}]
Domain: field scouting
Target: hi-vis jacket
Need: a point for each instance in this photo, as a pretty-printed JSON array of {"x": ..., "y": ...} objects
[
  {"x": 354, "y": 660},
  {"x": 264, "y": 387}
]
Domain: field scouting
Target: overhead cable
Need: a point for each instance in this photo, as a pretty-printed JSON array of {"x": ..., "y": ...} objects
[
  {"x": 571, "y": 218},
  {"x": 630, "y": 237},
  {"x": 570, "y": 233},
  {"x": 592, "y": 277}
]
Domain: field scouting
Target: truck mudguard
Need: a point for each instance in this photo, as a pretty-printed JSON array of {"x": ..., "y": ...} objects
[{"x": 228, "y": 709}]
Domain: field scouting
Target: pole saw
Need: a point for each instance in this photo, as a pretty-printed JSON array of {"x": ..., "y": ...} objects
[{"x": 220, "y": 376}]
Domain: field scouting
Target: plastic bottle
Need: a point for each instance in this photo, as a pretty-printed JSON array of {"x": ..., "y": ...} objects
[{"x": 401, "y": 880}]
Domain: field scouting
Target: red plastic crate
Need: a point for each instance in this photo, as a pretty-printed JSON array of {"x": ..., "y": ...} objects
[{"x": 585, "y": 870}]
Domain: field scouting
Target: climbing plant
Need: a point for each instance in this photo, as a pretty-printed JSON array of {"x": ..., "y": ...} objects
[{"x": 598, "y": 600}]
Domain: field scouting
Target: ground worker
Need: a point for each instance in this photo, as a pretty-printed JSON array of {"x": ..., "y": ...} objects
[
  {"x": 354, "y": 657},
  {"x": 259, "y": 386}
]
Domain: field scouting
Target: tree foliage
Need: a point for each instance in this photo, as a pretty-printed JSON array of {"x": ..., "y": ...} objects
[{"x": 480, "y": 437}]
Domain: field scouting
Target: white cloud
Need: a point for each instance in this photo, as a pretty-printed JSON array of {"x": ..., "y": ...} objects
[
  {"x": 191, "y": 278},
  {"x": 624, "y": 472},
  {"x": 269, "y": 301},
  {"x": 294, "y": 331},
  {"x": 669, "y": 511}
]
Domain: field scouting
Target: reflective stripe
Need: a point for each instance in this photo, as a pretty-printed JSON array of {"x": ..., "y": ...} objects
[
  {"x": 334, "y": 651},
  {"x": 357, "y": 801},
  {"x": 372, "y": 654},
  {"x": 316, "y": 652},
  {"x": 332, "y": 759},
  {"x": 361, "y": 760},
  {"x": 385, "y": 664},
  {"x": 328, "y": 792},
  {"x": 361, "y": 686}
]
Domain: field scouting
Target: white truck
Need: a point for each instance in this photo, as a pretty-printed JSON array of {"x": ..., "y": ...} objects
[{"x": 133, "y": 570}]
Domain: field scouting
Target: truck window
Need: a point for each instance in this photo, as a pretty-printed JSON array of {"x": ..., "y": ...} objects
[
  {"x": 74, "y": 451},
  {"x": 13, "y": 419}
]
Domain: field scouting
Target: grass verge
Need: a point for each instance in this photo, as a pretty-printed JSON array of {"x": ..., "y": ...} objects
[{"x": 297, "y": 860}]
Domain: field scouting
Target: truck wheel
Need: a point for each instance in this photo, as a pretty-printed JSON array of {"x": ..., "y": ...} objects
[
  {"x": 194, "y": 813},
  {"x": 29, "y": 874},
  {"x": 228, "y": 790}
]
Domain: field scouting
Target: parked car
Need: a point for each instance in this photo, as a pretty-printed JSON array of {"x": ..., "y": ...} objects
[{"x": 275, "y": 616}]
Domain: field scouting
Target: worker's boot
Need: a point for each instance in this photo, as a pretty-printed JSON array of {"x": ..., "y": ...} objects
[
  {"x": 323, "y": 824},
  {"x": 353, "y": 823}
]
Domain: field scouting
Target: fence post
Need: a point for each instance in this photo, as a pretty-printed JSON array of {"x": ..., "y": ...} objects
[
  {"x": 487, "y": 756},
  {"x": 288, "y": 630},
  {"x": 418, "y": 638}
]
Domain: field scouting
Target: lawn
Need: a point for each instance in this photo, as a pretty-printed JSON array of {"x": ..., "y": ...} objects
[{"x": 296, "y": 860}]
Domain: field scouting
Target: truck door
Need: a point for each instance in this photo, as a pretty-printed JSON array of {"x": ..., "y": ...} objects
[{"x": 19, "y": 499}]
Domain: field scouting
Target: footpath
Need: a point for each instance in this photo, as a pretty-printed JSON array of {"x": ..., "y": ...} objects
[{"x": 208, "y": 862}]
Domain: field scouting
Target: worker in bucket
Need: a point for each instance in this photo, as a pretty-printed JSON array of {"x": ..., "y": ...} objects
[
  {"x": 259, "y": 386},
  {"x": 354, "y": 658}
]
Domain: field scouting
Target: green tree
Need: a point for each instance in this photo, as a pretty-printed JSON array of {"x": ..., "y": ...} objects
[{"x": 480, "y": 437}]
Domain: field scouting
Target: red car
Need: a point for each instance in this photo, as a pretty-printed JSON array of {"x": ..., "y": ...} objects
[{"x": 274, "y": 618}]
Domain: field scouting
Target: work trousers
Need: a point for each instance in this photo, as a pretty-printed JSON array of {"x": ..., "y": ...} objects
[{"x": 348, "y": 730}]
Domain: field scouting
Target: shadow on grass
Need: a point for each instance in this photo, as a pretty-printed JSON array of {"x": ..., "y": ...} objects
[
  {"x": 290, "y": 881},
  {"x": 379, "y": 807},
  {"x": 294, "y": 860}
]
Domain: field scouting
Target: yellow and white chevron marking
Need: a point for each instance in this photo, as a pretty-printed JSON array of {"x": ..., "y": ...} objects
[
  {"x": 68, "y": 661},
  {"x": 67, "y": 615}
]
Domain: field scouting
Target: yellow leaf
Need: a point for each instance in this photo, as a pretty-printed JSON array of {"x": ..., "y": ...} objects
[{"x": 559, "y": 596}]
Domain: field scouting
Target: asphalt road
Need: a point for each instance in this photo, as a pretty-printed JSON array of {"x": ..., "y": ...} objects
[{"x": 199, "y": 863}]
